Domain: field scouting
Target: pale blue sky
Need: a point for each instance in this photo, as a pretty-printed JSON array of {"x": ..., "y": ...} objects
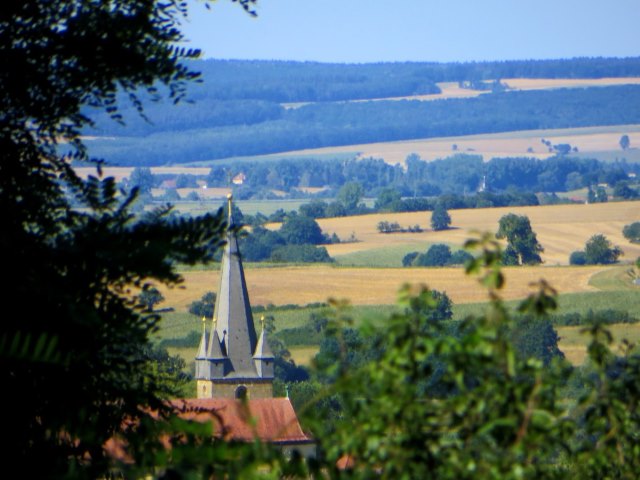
[{"x": 417, "y": 30}]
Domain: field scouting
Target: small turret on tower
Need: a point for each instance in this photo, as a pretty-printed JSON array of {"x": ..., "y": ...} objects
[
  {"x": 202, "y": 364},
  {"x": 263, "y": 356}
]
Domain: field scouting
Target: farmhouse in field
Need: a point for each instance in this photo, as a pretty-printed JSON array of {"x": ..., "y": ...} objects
[{"x": 235, "y": 367}]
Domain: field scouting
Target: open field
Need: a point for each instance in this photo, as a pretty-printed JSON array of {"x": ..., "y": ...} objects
[
  {"x": 590, "y": 141},
  {"x": 561, "y": 229},
  {"x": 373, "y": 286},
  {"x": 573, "y": 341},
  {"x": 508, "y": 144},
  {"x": 453, "y": 89}
]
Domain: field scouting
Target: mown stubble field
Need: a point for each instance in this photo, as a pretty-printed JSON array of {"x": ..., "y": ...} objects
[
  {"x": 560, "y": 229},
  {"x": 374, "y": 286}
]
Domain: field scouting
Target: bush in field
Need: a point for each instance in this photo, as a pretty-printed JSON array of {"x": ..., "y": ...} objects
[
  {"x": 301, "y": 253},
  {"x": 600, "y": 250},
  {"x": 578, "y": 258},
  {"x": 203, "y": 307},
  {"x": 632, "y": 232},
  {"x": 438, "y": 255}
]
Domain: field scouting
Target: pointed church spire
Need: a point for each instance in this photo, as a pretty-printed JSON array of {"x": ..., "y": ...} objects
[{"x": 233, "y": 311}]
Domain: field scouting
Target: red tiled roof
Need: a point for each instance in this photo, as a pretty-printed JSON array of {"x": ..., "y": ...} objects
[
  {"x": 270, "y": 419},
  {"x": 273, "y": 420}
]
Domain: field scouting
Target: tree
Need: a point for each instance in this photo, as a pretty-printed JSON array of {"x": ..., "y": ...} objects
[
  {"x": 600, "y": 250},
  {"x": 437, "y": 255},
  {"x": 622, "y": 190},
  {"x": 535, "y": 338},
  {"x": 203, "y": 307},
  {"x": 142, "y": 178},
  {"x": 409, "y": 259},
  {"x": 80, "y": 365},
  {"x": 350, "y": 195},
  {"x": 300, "y": 230},
  {"x": 632, "y": 232},
  {"x": 624, "y": 142},
  {"x": 601, "y": 195},
  {"x": 460, "y": 257},
  {"x": 577, "y": 258},
  {"x": 388, "y": 199},
  {"x": 193, "y": 196},
  {"x": 562, "y": 148},
  {"x": 301, "y": 254},
  {"x": 440, "y": 219},
  {"x": 523, "y": 247},
  {"x": 314, "y": 209},
  {"x": 150, "y": 297}
]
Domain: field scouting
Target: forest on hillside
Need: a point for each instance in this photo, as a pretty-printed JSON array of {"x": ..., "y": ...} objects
[{"x": 237, "y": 109}]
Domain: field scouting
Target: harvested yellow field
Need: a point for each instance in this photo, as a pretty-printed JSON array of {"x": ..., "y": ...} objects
[
  {"x": 373, "y": 286},
  {"x": 523, "y": 143},
  {"x": 555, "y": 83},
  {"x": 561, "y": 229},
  {"x": 573, "y": 342},
  {"x": 303, "y": 355},
  {"x": 453, "y": 89}
]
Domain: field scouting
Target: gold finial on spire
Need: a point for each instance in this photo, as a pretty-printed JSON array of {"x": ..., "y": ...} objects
[
  {"x": 262, "y": 321},
  {"x": 229, "y": 198}
]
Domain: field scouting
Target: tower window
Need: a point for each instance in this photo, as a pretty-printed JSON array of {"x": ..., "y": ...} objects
[{"x": 241, "y": 392}]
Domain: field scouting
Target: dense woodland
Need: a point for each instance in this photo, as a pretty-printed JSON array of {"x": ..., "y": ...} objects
[{"x": 238, "y": 108}]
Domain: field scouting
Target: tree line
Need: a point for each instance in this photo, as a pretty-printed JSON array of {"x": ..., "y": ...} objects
[
  {"x": 276, "y": 129},
  {"x": 461, "y": 177}
]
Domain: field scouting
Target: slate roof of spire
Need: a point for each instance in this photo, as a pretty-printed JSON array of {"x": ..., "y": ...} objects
[{"x": 234, "y": 321}]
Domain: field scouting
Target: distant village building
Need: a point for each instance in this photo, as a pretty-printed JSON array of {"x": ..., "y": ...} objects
[{"x": 239, "y": 179}]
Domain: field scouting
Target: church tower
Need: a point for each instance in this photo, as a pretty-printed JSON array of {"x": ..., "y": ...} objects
[{"x": 232, "y": 362}]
